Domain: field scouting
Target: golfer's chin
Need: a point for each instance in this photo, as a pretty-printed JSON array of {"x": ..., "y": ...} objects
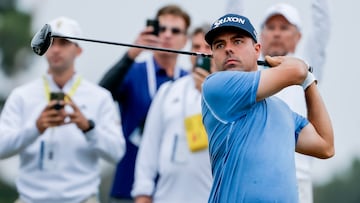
[{"x": 232, "y": 67}]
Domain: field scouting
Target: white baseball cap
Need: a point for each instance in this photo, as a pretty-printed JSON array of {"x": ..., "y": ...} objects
[
  {"x": 66, "y": 27},
  {"x": 289, "y": 12}
]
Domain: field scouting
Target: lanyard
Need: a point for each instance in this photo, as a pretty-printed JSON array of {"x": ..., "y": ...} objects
[
  {"x": 150, "y": 70},
  {"x": 48, "y": 158},
  {"x": 70, "y": 93}
]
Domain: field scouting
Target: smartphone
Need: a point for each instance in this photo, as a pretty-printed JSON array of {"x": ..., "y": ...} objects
[
  {"x": 155, "y": 24},
  {"x": 57, "y": 96},
  {"x": 203, "y": 62}
]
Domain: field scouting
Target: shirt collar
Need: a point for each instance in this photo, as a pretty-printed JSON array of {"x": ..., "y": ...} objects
[{"x": 55, "y": 87}]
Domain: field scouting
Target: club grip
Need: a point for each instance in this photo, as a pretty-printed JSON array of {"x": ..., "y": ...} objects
[{"x": 265, "y": 63}]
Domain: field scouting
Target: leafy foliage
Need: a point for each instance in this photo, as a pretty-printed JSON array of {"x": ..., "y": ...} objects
[
  {"x": 343, "y": 188},
  {"x": 7, "y": 193},
  {"x": 14, "y": 36}
]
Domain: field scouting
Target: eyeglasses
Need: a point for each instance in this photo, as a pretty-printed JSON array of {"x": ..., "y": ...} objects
[{"x": 174, "y": 30}]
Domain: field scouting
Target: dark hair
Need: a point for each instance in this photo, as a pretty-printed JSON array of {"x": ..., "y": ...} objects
[
  {"x": 176, "y": 11},
  {"x": 204, "y": 28}
]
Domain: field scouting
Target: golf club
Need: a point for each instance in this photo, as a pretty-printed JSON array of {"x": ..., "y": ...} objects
[{"x": 43, "y": 38}]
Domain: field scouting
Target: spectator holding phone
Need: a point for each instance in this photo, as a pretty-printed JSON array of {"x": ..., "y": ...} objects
[
  {"x": 134, "y": 84},
  {"x": 61, "y": 125},
  {"x": 175, "y": 145}
]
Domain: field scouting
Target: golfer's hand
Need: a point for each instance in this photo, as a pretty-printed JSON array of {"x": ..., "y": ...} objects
[
  {"x": 77, "y": 117},
  {"x": 293, "y": 64},
  {"x": 288, "y": 62},
  {"x": 50, "y": 117},
  {"x": 274, "y": 61}
]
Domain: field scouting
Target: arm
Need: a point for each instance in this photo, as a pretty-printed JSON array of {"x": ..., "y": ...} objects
[
  {"x": 107, "y": 138},
  {"x": 14, "y": 134},
  {"x": 315, "y": 46},
  {"x": 286, "y": 71},
  {"x": 114, "y": 77},
  {"x": 316, "y": 138},
  {"x": 147, "y": 160},
  {"x": 143, "y": 199},
  {"x": 243, "y": 89}
]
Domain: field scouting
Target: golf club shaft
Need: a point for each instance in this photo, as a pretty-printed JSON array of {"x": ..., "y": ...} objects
[
  {"x": 136, "y": 46},
  {"x": 262, "y": 63}
]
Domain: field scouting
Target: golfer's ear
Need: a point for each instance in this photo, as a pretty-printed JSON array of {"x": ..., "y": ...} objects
[{"x": 257, "y": 48}]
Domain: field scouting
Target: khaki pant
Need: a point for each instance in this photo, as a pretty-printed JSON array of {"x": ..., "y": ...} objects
[{"x": 92, "y": 199}]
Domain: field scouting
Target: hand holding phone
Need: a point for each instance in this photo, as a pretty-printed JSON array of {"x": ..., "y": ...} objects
[
  {"x": 203, "y": 62},
  {"x": 155, "y": 24},
  {"x": 58, "y": 96}
]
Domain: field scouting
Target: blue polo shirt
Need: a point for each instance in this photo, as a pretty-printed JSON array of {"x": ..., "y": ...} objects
[
  {"x": 251, "y": 143},
  {"x": 134, "y": 101}
]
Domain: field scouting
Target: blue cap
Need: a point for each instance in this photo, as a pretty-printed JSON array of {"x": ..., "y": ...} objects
[{"x": 231, "y": 21}]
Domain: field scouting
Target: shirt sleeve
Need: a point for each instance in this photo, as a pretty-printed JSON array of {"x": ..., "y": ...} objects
[
  {"x": 300, "y": 123},
  {"x": 107, "y": 136},
  {"x": 146, "y": 167},
  {"x": 15, "y": 135},
  {"x": 116, "y": 74},
  {"x": 229, "y": 94}
]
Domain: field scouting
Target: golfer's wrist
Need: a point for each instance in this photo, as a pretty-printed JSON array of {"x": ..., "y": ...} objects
[{"x": 310, "y": 78}]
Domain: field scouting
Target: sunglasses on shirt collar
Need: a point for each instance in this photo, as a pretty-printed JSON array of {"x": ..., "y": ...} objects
[{"x": 174, "y": 30}]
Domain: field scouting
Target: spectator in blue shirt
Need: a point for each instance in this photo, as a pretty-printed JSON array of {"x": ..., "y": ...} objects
[{"x": 134, "y": 84}]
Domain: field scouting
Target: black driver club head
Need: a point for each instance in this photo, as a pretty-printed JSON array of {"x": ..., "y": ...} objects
[{"x": 42, "y": 40}]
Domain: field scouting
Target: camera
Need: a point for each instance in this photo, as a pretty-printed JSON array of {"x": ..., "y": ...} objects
[
  {"x": 155, "y": 24},
  {"x": 203, "y": 62},
  {"x": 58, "y": 96}
]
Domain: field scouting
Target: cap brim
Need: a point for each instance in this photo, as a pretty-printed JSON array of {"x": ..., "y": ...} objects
[
  {"x": 65, "y": 38},
  {"x": 210, "y": 36}
]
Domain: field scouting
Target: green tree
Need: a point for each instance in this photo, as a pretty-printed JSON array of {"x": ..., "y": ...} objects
[
  {"x": 343, "y": 188},
  {"x": 15, "y": 36},
  {"x": 7, "y": 193}
]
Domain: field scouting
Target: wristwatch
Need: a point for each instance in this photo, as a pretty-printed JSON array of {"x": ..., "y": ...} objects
[{"x": 91, "y": 126}]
